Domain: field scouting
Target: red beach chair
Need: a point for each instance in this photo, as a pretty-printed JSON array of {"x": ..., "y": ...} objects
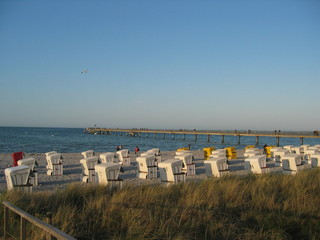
[{"x": 16, "y": 157}]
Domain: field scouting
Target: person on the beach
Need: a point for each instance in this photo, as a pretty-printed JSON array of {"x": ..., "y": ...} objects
[
  {"x": 264, "y": 148},
  {"x": 136, "y": 150},
  {"x": 118, "y": 148}
]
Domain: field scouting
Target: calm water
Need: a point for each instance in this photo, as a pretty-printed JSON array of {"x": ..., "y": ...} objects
[{"x": 13, "y": 139}]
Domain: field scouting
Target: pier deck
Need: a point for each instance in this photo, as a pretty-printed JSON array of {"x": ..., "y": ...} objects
[{"x": 209, "y": 133}]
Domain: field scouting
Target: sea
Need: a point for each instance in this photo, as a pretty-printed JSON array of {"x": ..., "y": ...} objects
[{"x": 72, "y": 140}]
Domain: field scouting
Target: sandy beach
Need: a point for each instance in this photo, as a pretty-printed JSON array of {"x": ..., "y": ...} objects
[{"x": 72, "y": 171}]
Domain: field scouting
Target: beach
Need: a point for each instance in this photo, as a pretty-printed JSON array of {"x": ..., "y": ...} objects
[{"x": 72, "y": 171}]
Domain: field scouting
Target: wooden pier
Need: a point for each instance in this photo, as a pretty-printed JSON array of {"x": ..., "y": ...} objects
[{"x": 162, "y": 132}]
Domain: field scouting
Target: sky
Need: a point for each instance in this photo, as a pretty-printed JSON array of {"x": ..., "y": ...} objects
[{"x": 166, "y": 64}]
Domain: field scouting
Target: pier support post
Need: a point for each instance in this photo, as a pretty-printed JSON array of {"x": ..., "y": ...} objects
[
  {"x": 184, "y": 137},
  {"x": 278, "y": 141},
  {"x": 222, "y": 140},
  {"x": 257, "y": 140},
  {"x": 195, "y": 137},
  {"x": 301, "y": 141},
  {"x": 208, "y": 138},
  {"x": 164, "y": 136},
  {"x": 239, "y": 139},
  {"x": 173, "y": 136}
]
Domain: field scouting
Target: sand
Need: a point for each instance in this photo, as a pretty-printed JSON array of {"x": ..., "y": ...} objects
[{"x": 72, "y": 171}]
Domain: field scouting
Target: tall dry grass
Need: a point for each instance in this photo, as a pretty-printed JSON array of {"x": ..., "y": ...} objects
[{"x": 233, "y": 207}]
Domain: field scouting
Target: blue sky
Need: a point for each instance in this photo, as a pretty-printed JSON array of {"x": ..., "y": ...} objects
[{"x": 160, "y": 64}]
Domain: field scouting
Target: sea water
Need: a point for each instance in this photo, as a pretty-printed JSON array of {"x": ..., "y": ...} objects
[{"x": 71, "y": 140}]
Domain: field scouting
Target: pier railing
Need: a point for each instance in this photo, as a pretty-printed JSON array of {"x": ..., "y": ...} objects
[{"x": 52, "y": 232}]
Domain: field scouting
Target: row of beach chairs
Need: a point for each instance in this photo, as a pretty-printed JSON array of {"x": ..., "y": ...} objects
[{"x": 105, "y": 168}]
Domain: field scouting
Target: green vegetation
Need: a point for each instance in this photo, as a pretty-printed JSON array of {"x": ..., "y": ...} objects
[{"x": 233, "y": 207}]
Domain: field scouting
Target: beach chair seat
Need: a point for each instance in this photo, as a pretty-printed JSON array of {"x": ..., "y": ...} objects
[
  {"x": 315, "y": 160},
  {"x": 17, "y": 178},
  {"x": 291, "y": 163},
  {"x": 123, "y": 157},
  {"x": 55, "y": 165},
  {"x": 216, "y": 167},
  {"x": 108, "y": 174},
  {"x": 106, "y": 157},
  {"x": 146, "y": 167},
  {"x": 171, "y": 171},
  {"x": 87, "y": 154},
  {"x": 33, "y": 176},
  {"x": 88, "y": 168},
  {"x": 278, "y": 155},
  {"x": 257, "y": 164},
  {"x": 188, "y": 166}
]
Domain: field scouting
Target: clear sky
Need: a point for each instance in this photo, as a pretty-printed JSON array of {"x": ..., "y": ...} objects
[{"x": 160, "y": 64}]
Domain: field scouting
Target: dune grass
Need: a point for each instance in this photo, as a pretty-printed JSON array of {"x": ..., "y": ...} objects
[{"x": 233, "y": 207}]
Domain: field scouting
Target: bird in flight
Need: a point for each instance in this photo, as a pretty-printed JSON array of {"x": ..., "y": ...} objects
[{"x": 85, "y": 71}]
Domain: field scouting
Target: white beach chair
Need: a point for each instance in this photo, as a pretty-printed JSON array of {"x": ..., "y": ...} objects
[
  {"x": 147, "y": 167},
  {"x": 216, "y": 167},
  {"x": 257, "y": 164},
  {"x": 108, "y": 174},
  {"x": 188, "y": 167},
  {"x": 307, "y": 154},
  {"x": 123, "y": 157},
  {"x": 107, "y": 157},
  {"x": 250, "y": 152},
  {"x": 33, "y": 176},
  {"x": 291, "y": 163},
  {"x": 87, "y": 154},
  {"x": 55, "y": 166},
  {"x": 17, "y": 178},
  {"x": 315, "y": 160},
  {"x": 278, "y": 156},
  {"x": 157, "y": 154},
  {"x": 88, "y": 169},
  {"x": 171, "y": 171}
]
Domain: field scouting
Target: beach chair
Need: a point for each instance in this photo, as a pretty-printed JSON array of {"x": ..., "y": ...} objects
[
  {"x": 231, "y": 152},
  {"x": 256, "y": 164},
  {"x": 182, "y": 152},
  {"x": 54, "y": 164},
  {"x": 305, "y": 147},
  {"x": 289, "y": 148},
  {"x": 278, "y": 155},
  {"x": 218, "y": 153},
  {"x": 297, "y": 150},
  {"x": 315, "y": 160},
  {"x": 87, "y": 154},
  {"x": 307, "y": 154},
  {"x": 108, "y": 174},
  {"x": 291, "y": 163},
  {"x": 147, "y": 167},
  {"x": 250, "y": 152},
  {"x": 171, "y": 171},
  {"x": 216, "y": 167},
  {"x": 88, "y": 169},
  {"x": 16, "y": 156},
  {"x": 107, "y": 157},
  {"x": 188, "y": 167},
  {"x": 157, "y": 154},
  {"x": 123, "y": 157},
  {"x": 30, "y": 162},
  {"x": 17, "y": 178},
  {"x": 273, "y": 150}
]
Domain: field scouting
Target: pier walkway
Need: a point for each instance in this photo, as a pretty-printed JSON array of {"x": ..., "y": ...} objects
[{"x": 138, "y": 132}]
